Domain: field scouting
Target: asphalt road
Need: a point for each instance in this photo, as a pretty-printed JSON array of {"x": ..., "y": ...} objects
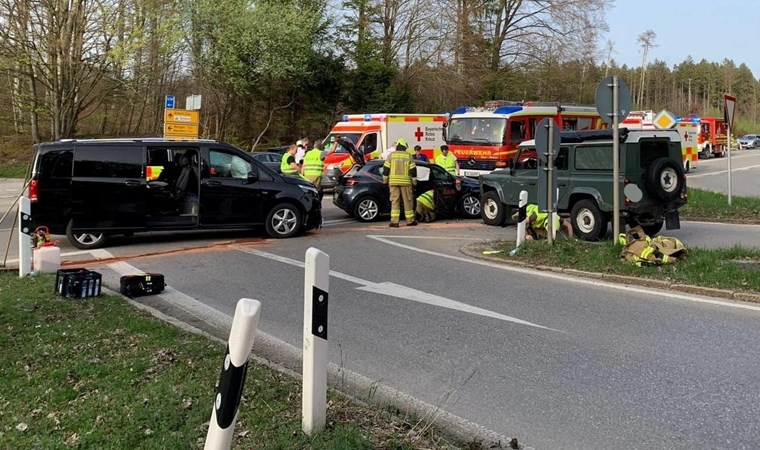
[{"x": 712, "y": 174}]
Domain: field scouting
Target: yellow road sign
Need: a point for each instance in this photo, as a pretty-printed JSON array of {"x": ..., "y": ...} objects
[
  {"x": 664, "y": 120},
  {"x": 180, "y": 128},
  {"x": 183, "y": 116}
]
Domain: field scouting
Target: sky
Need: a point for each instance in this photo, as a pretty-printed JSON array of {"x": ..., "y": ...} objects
[{"x": 709, "y": 29}]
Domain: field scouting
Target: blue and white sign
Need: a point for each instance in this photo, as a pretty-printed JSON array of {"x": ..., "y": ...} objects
[{"x": 169, "y": 103}]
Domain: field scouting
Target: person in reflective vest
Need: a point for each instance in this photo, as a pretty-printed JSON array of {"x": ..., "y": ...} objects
[
  {"x": 400, "y": 174},
  {"x": 448, "y": 161},
  {"x": 426, "y": 206},
  {"x": 537, "y": 224},
  {"x": 313, "y": 165},
  {"x": 288, "y": 164}
]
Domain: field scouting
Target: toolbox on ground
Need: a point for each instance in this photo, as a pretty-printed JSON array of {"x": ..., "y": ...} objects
[
  {"x": 78, "y": 283},
  {"x": 141, "y": 284}
]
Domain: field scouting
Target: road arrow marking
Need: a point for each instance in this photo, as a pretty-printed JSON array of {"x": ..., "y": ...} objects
[
  {"x": 396, "y": 290},
  {"x": 403, "y": 292}
]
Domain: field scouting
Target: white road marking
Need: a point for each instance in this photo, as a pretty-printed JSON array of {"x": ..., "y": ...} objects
[
  {"x": 721, "y": 172},
  {"x": 571, "y": 279},
  {"x": 403, "y": 292}
]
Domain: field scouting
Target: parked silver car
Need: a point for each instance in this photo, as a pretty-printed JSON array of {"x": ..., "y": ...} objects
[{"x": 749, "y": 141}]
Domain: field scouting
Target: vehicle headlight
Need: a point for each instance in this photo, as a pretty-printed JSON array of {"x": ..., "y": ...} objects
[{"x": 311, "y": 189}]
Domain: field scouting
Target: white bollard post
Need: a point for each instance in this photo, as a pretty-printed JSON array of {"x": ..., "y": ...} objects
[
  {"x": 221, "y": 429},
  {"x": 315, "y": 293},
  {"x": 521, "y": 216},
  {"x": 24, "y": 237}
]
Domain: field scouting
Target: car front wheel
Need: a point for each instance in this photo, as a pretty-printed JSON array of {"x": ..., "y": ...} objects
[
  {"x": 589, "y": 223},
  {"x": 84, "y": 240},
  {"x": 493, "y": 210},
  {"x": 284, "y": 220}
]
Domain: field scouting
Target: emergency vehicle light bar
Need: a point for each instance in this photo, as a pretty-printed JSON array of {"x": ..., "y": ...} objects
[{"x": 367, "y": 117}]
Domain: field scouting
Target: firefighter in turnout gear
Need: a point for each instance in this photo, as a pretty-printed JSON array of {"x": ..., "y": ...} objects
[
  {"x": 537, "y": 224},
  {"x": 400, "y": 174},
  {"x": 426, "y": 206}
]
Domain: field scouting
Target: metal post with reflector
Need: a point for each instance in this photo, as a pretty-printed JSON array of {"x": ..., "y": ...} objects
[{"x": 221, "y": 428}]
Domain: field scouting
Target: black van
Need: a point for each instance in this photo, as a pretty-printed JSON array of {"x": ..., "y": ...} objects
[{"x": 90, "y": 189}]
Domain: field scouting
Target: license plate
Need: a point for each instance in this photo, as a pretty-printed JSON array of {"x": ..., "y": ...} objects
[{"x": 471, "y": 173}]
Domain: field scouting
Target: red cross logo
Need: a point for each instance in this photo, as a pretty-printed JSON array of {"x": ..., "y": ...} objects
[{"x": 418, "y": 134}]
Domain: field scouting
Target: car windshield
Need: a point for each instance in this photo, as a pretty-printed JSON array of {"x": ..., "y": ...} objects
[
  {"x": 749, "y": 136},
  {"x": 484, "y": 131},
  {"x": 331, "y": 138}
]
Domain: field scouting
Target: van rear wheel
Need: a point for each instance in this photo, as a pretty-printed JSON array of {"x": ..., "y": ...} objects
[{"x": 84, "y": 240}]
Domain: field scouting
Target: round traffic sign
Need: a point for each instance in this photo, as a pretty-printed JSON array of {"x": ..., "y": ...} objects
[{"x": 604, "y": 99}]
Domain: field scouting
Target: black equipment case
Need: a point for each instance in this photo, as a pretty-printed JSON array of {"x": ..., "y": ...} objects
[{"x": 141, "y": 284}]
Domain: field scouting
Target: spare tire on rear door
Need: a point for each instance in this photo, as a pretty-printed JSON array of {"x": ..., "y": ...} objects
[{"x": 665, "y": 179}]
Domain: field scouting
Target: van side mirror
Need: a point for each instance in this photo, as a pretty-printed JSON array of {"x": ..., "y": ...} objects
[
  {"x": 443, "y": 131},
  {"x": 511, "y": 166}
]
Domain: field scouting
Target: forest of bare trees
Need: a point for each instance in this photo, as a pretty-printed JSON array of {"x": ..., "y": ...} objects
[{"x": 270, "y": 71}]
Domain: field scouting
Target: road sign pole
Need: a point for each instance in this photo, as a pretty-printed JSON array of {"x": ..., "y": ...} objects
[
  {"x": 728, "y": 147},
  {"x": 729, "y": 108},
  {"x": 549, "y": 187},
  {"x": 615, "y": 161}
]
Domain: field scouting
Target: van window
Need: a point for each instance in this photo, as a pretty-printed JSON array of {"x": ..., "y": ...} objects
[
  {"x": 56, "y": 164},
  {"x": 108, "y": 162},
  {"x": 593, "y": 158},
  {"x": 228, "y": 165}
]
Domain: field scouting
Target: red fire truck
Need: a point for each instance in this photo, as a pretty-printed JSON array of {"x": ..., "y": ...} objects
[
  {"x": 485, "y": 138},
  {"x": 713, "y": 136}
]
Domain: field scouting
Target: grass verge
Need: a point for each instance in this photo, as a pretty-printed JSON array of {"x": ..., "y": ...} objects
[
  {"x": 96, "y": 373},
  {"x": 14, "y": 170},
  {"x": 736, "y": 269},
  {"x": 713, "y": 207}
]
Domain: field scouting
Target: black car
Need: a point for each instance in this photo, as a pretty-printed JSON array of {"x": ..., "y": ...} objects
[
  {"x": 362, "y": 194},
  {"x": 269, "y": 159},
  {"x": 90, "y": 189}
]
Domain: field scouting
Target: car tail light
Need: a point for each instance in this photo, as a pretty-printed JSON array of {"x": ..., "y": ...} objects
[
  {"x": 352, "y": 182},
  {"x": 34, "y": 190}
]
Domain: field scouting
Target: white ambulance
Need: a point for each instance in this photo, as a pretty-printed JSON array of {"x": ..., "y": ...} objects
[
  {"x": 372, "y": 132},
  {"x": 687, "y": 129}
]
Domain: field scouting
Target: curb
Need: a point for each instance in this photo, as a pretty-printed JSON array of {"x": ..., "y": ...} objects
[{"x": 475, "y": 250}]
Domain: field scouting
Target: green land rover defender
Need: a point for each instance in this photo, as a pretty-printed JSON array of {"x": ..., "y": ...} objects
[{"x": 652, "y": 181}]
